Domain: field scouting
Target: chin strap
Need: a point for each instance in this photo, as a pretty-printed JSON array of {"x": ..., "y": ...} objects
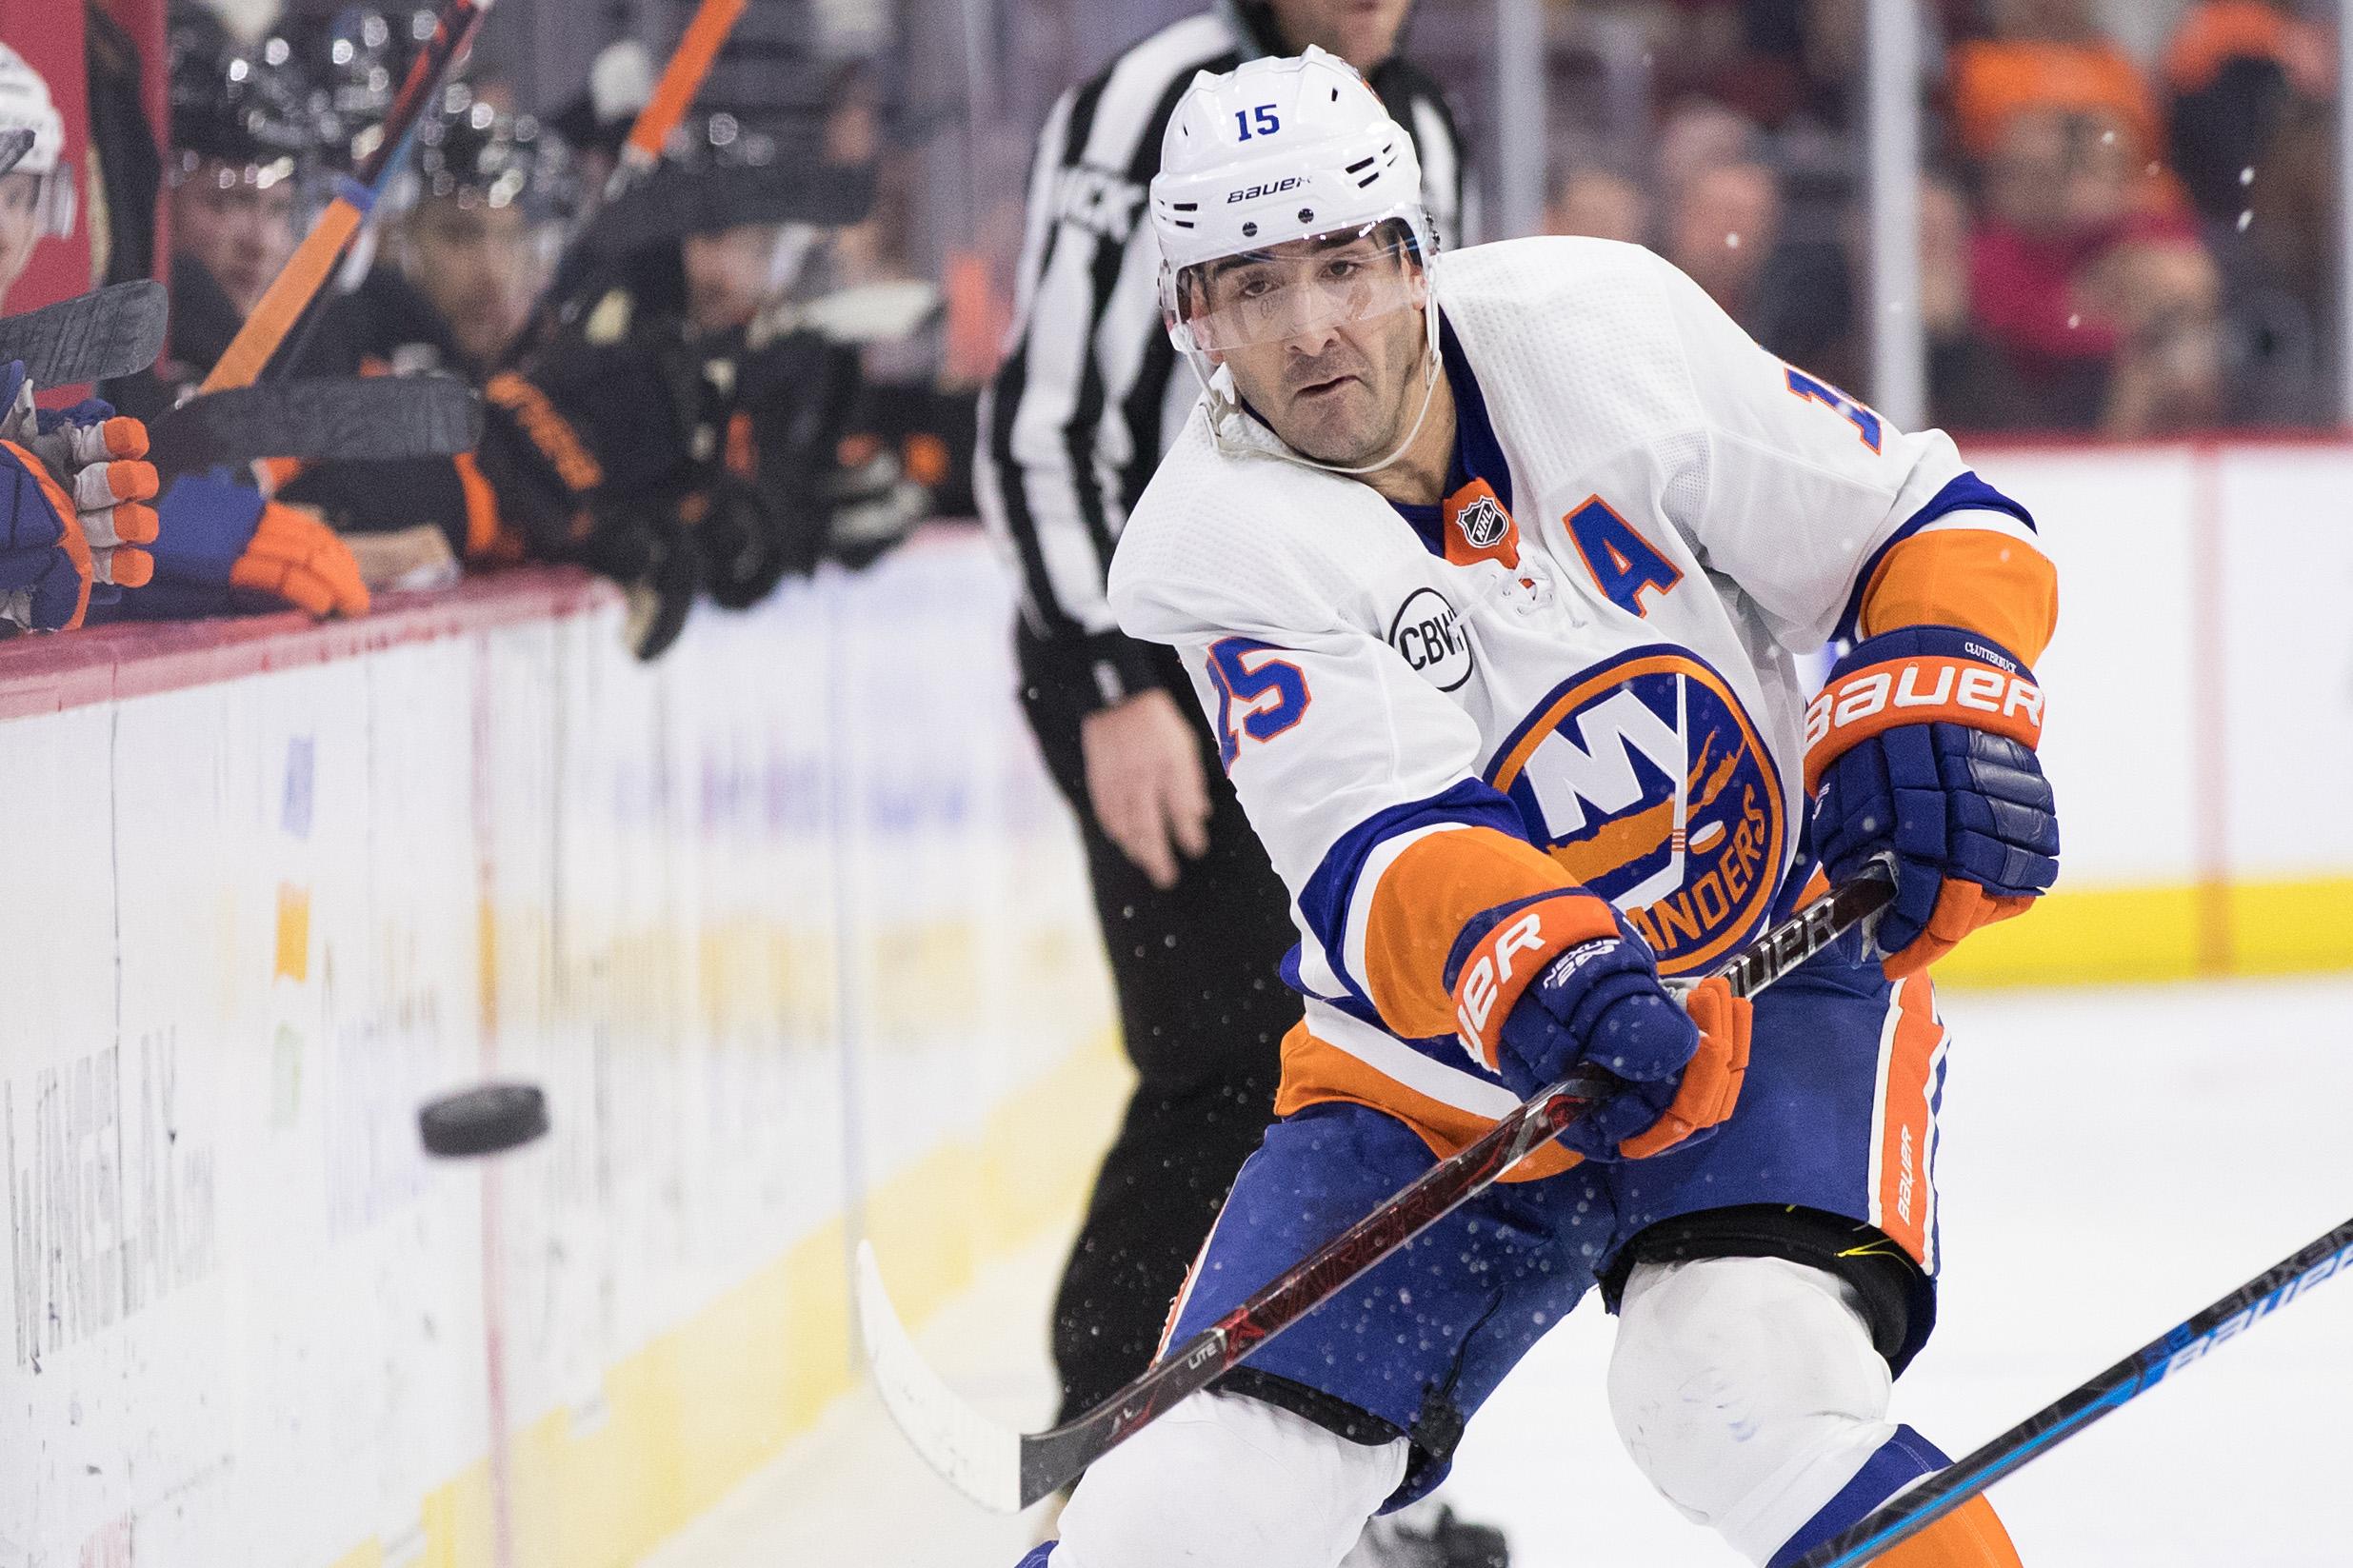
[{"x": 1225, "y": 406}]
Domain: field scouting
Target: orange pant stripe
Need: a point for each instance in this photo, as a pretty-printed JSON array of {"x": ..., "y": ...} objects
[{"x": 1903, "y": 1202}]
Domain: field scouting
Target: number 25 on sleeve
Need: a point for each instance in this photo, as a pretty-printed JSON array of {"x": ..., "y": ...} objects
[{"x": 1259, "y": 694}]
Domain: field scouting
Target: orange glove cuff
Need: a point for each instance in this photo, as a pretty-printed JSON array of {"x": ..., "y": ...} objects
[
  {"x": 1960, "y": 908},
  {"x": 300, "y": 559},
  {"x": 1711, "y": 1084}
]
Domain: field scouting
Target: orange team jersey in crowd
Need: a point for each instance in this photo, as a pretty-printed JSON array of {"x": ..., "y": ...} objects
[
  {"x": 2213, "y": 35},
  {"x": 1994, "y": 81}
]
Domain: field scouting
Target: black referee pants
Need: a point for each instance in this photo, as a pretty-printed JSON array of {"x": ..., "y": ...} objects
[{"x": 1202, "y": 1013}]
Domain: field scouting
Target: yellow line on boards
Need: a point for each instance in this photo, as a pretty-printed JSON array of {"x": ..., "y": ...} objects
[{"x": 2106, "y": 936}]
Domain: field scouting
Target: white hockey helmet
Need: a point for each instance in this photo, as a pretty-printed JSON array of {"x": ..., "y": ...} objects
[
  {"x": 24, "y": 106},
  {"x": 1274, "y": 152}
]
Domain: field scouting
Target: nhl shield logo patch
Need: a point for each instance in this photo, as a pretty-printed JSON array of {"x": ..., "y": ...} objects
[
  {"x": 1482, "y": 522},
  {"x": 1478, "y": 527}
]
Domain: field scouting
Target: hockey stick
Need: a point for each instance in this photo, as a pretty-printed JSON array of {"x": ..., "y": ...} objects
[
  {"x": 313, "y": 262},
  {"x": 113, "y": 332},
  {"x": 1938, "y": 1495},
  {"x": 667, "y": 210},
  {"x": 354, "y": 419},
  {"x": 682, "y": 78},
  {"x": 673, "y": 94},
  {"x": 1007, "y": 1470}
]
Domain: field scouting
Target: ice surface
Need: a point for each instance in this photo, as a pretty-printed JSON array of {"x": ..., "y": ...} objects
[{"x": 2112, "y": 1159}]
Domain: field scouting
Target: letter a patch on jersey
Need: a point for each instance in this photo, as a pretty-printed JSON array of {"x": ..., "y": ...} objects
[{"x": 1624, "y": 563}]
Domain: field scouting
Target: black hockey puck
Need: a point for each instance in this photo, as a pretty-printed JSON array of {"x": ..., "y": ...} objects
[{"x": 488, "y": 1119}]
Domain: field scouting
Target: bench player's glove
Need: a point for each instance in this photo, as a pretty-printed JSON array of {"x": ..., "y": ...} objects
[
  {"x": 1599, "y": 1002},
  {"x": 228, "y": 550},
  {"x": 1920, "y": 748},
  {"x": 876, "y": 500},
  {"x": 589, "y": 454},
  {"x": 74, "y": 494}
]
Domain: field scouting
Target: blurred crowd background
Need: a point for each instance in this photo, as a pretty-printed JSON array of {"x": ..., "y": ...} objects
[
  {"x": 2128, "y": 222},
  {"x": 2129, "y": 209}
]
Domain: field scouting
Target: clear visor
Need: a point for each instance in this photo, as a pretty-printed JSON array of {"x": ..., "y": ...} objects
[
  {"x": 49, "y": 196},
  {"x": 1299, "y": 286}
]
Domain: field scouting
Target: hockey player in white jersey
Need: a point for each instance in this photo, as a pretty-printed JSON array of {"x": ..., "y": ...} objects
[{"x": 1491, "y": 569}]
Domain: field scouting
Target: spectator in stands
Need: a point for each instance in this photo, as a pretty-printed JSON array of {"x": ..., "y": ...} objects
[
  {"x": 1595, "y": 203},
  {"x": 2232, "y": 71},
  {"x": 2102, "y": 309},
  {"x": 2052, "y": 193},
  {"x": 1700, "y": 135},
  {"x": 1719, "y": 202},
  {"x": 2067, "y": 134},
  {"x": 2159, "y": 295},
  {"x": 1971, "y": 387},
  {"x": 2250, "y": 128},
  {"x": 2292, "y": 219},
  {"x": 1780, "y": 63},
  {"x": 1778, "y": 265},
  {"x": 1721, "y": 230},
  {"x": 2050, "y": 56}
]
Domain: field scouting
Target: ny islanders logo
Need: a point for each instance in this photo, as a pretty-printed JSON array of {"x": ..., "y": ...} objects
[{"x": 1644, "y": 778}]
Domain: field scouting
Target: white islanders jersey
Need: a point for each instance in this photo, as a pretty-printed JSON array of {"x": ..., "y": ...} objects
[{"x": 1592, "y": 654}]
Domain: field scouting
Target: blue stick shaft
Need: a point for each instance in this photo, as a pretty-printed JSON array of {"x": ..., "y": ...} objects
[{"x": 1913, "y": 1512}]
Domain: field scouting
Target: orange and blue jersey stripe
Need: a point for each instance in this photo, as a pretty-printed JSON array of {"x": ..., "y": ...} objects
[{"x": 1969, "y": 558}]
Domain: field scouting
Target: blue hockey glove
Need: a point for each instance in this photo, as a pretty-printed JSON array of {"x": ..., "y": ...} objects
[
  {"x": 74, "y": 507},
  {"x": 1920, "y": 748},
  {"x": 227, "y": 550},
  {"x": 1564, "y": 983}
]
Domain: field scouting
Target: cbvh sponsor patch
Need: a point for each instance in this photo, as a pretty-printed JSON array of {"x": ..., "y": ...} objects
[
  {"x": 1646, "y": 780},
  {"x": 1428, "y": 634}
]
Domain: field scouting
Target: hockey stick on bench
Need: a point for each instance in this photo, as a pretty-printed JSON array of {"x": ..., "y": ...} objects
[
  {"x": 1007, "y": 1470},
  {"x": 1940, "y": 1494},
  {"x": 583, "y": 277},
  {"x": 113, "y": 332},
  {"x": 350, "y": 419},
  {"x": 307, "y": 271}
]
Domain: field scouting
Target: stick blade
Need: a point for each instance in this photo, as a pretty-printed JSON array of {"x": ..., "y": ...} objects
[
  {"x": 679, "y": 202},
  {"x": 113, "y": 332},
  {"x": 326, "y": 420},
  {"x": 976, "y": 1456}
]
